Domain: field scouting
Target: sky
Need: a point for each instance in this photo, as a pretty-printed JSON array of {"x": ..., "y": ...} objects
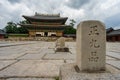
[{"x": 106, "y": 11}]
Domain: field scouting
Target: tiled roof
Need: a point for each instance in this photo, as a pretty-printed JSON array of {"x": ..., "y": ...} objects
[
  {"x": 47, "y": 16},
  {"x": 49, "y": 26},
  {"x": 114, "y": 32},
  {"x": 109, "y": 30}
]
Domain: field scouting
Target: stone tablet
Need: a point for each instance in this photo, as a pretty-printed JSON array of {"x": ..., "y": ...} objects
[
  {"x": 60, "y": 45},
  {"x": 60, "y": 42},
  {"x": 91, "y": 46}
]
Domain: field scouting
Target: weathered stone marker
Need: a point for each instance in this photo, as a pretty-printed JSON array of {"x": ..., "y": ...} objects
[
  {"x": 60, "y": 42},
  {"x": 91, "y": 46},
  {"x": 60, "y": 45},
  {"x": 91, "y": 49}
]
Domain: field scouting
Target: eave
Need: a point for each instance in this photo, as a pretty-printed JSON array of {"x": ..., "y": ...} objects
[{"x": 44, "y": 19}]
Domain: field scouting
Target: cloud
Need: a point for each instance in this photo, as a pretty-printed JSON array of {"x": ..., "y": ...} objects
[
  {"x": 113, "y": 21},
  {"x": 14, "y": 1},
  {"x": 76, "y": 4},
  {"x": 106, "y": 11}
]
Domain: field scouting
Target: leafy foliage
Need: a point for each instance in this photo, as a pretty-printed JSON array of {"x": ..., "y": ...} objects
[
  {"x": 24, "y": 22},
  {"x": 72, "y": 22},
  {"x": 22, "y": 30},
  {"x": 70, "y": 29},
  {"x": 12, "y": 27}
]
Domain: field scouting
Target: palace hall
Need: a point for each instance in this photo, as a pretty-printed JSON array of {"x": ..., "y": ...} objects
[{"x": 45, "y": 25}]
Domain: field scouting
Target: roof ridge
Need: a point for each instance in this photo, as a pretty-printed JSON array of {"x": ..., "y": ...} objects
[{"x": 50, "y": 15}]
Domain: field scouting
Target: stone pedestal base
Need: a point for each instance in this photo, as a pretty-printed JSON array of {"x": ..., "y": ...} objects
[
  {"x": 68, "y": 72},
  {"x": 64, "y": 49}
]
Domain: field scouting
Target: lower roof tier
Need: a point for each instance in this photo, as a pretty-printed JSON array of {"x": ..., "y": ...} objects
[{"x": 44, "y": 27}]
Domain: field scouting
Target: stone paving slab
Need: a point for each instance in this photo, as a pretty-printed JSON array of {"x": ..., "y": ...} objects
[
  {"x": 31, "y": 79},
  {"x": 47, "y": 45},
  {"x": 33, "y": 68},
  {"x": 49, "y": 50},
  {"x": 41, "y": 52},
  {"x": 70, "y": 44},
  {"x": 12, "y": 56},
  {"x": 70, "y": 61},
  {"x": 10, "y": 50},
  {"x": 59, "y": 56},
  {"x": 14, "y": 44},
  {"x": 32, "y": 56},
  {"x": 5, "y": 63},
  {"x": 110, "y": 58},
  {"x": 114, "y": 63},
  {"x": 113, "y": 54},
  {"x": 73, "y": 51},
  {"x": 113, "y": 46},
  {"x": 34, "y": 51},
  {"x": 68, "y": 72}
]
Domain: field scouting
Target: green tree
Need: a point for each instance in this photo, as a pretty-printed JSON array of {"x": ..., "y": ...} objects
[
  {"x": 23, "y": 22},
  {"x": 23, "y": 29},
  {"x": 11, "y": 28},
  {"x": 70, "y": 29},
  {"x": 72, "y": 22}
]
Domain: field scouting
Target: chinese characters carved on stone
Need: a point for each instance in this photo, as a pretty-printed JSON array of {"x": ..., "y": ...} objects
[
  {"x": 93, "y": 57},
  {"x": 93, "y": 43},
  {"x": 93, "y": 30}
]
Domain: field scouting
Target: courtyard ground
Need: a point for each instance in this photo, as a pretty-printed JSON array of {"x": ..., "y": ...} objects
[{"x": 37, "y": 60}]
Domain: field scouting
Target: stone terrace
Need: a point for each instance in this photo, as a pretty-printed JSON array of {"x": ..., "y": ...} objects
[{"x": 36, "y": 60}]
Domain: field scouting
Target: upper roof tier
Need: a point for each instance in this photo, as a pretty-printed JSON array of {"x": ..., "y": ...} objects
[{"x": 46, "y": 18}]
